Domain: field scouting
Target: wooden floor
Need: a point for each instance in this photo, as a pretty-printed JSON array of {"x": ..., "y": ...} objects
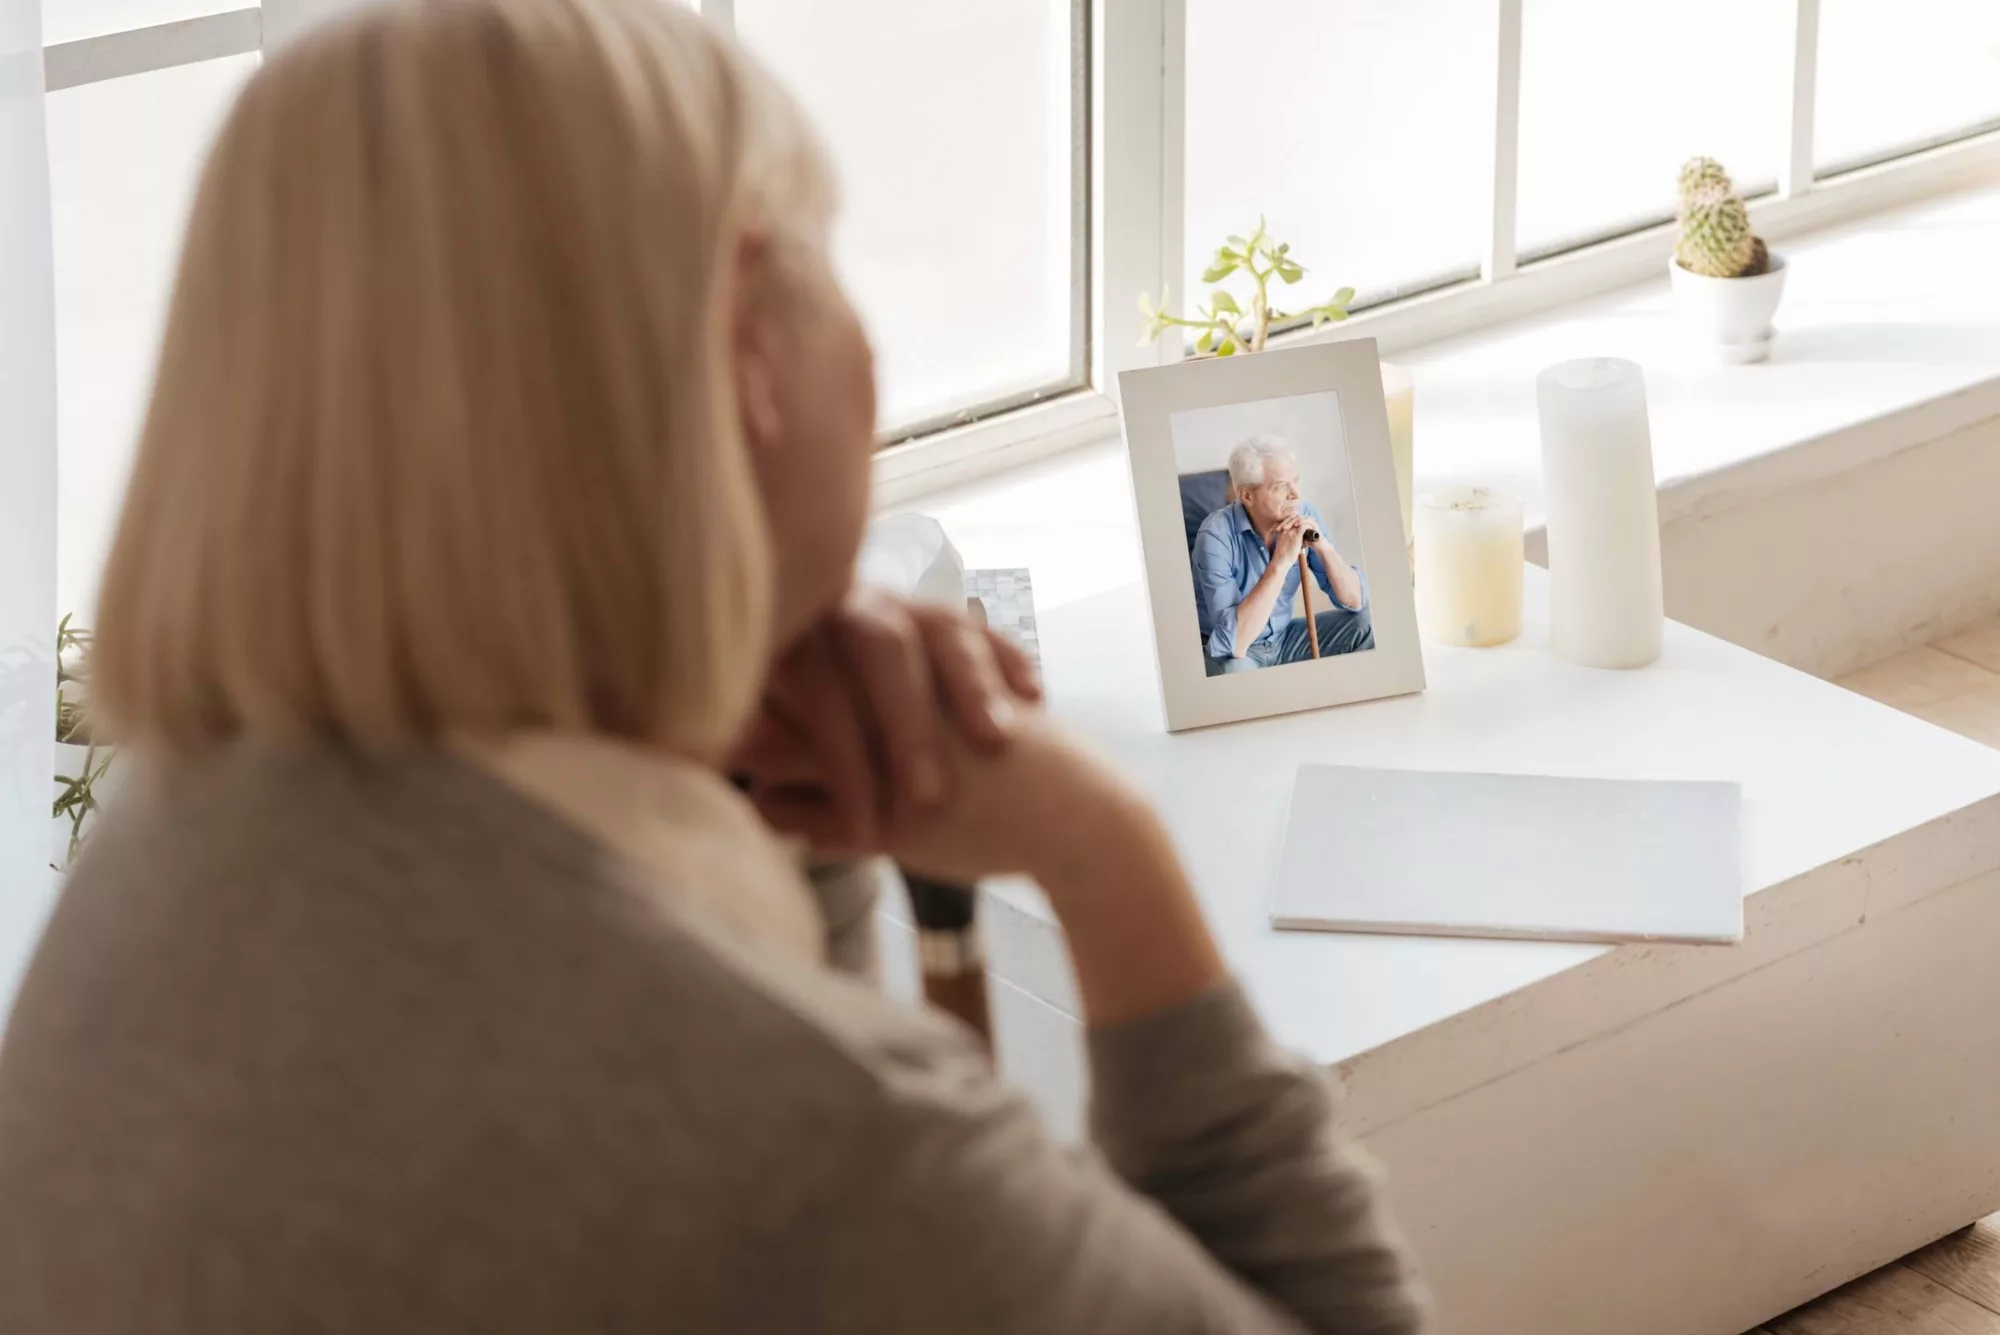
[
  {"x": 1951, "y": 1287},
  {"x": 1954, "y": 683}
]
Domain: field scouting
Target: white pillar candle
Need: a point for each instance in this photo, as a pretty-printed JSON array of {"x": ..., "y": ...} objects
[
  {"x": 1399, "y": 395},
  {"x": 1468, "y": 579},
  {"x": 1605, "y": 606}
]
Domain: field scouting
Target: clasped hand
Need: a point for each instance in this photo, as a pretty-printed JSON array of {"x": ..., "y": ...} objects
[
  {"x": 906, "y": 730},
  {"x": 874, "y": 723}
]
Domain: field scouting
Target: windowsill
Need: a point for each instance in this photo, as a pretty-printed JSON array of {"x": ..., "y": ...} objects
[{"x": 1887, "y": 338}]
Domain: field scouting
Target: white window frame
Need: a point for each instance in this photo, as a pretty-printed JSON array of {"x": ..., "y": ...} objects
[
  {"x": 115, "y": 55},
  {"x": 231, "y": 32},
  {"x": 1140, "y": 70},
  {"x": 1137, "y": 92}
]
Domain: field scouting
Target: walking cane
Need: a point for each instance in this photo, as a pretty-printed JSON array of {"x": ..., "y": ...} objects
[
  {"x": 1306, "y": 592},
  {"x": 949, "y": 951}
]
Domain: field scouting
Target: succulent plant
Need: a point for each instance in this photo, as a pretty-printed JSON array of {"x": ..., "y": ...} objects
[
  {"x": 1227, "y": 328},
  {"x": 1700, "y": 176},
  {"x": 76, "y": 801},
  {"x": 1715, "y": 236}
]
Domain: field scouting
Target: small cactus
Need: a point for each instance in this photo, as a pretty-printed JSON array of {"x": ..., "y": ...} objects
[
  {"x": 1715, "y": 238},
  {"x": 1701, "y": 176}
]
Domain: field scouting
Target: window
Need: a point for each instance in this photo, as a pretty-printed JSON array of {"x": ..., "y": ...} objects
[
  {"x": 1614, "y": 97},
  {"x": 958, "y": 130},
  {"x": 1403, "y": 147},
  {"x": 1357, "y": 128},
  {"x": 1894, "y": 78}
]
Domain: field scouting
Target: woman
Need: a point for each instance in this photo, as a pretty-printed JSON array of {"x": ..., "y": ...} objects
[{"x": 509, "y": 447}]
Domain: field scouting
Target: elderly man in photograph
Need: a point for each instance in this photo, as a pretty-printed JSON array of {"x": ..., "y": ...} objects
[{"x": 1246, "y": 570}]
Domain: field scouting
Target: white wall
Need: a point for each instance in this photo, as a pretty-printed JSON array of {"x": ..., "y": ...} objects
[
  {"x": 1850, "y": 568},
  {"x": 1310, "y": 423},
  {"x": 27, "y": 493}
]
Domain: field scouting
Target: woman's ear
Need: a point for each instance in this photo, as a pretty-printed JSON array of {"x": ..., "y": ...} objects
[{"x": 753, "y": 339}]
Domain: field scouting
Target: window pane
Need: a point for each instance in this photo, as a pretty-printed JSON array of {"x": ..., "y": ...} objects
[
  {"x": 123, "y": 159},
  {"x": 1614, "y": 97},
  {"x": 72, "y": 20},
  {"x": 954, "y": 127},
  {"x": 1356, "y": 128},
  {"x": 1893, "y": 78}
]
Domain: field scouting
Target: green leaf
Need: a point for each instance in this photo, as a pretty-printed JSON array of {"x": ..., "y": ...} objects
[
  {"x": 1207, "y": 343},
  {"x": 1218, "y": 271},
  {"x": 1227, "y": 350},
  {"x": 1224, "y": 302},
  {"x": 1290, "y": 272},
  {"x": 1342, "y": 297},
  {"x": 1239, "y": 243}
]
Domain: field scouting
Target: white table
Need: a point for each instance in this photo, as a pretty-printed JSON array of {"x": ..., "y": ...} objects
[{"x": 1586, "y": 1139}]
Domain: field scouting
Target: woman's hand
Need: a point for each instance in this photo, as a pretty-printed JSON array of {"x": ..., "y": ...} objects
[
  {"x": 862, "y": 708},
  {"x": 867, "y": 719},
  {"x": 1046, "y": 807}
]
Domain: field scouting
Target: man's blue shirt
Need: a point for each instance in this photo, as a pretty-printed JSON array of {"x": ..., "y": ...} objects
[{"x": 1229, "y": 558}]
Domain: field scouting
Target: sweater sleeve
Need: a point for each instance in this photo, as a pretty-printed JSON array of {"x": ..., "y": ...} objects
[
  {"x": 848, "y": 893},
  {"x": 1198, "y": 1110},
  {"x": 1221, "y": 1201}
]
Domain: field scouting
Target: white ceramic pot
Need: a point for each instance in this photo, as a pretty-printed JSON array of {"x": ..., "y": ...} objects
[{"x": 1731, "y": 315}]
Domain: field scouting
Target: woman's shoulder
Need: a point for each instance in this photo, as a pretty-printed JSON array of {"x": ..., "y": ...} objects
[
  {"x": 330, "y": 986},
  {"x": 380, "y": 969},
  {"x": 426, "y": 908}
]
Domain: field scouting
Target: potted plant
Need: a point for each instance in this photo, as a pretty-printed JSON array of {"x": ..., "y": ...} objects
[
  {"x": 1226, "y": 328},
  {"x": 1726, "y": 281},
  {"x": 82, "y": 759}
]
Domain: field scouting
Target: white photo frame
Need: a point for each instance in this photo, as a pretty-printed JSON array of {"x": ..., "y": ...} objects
[{"x": 1322, "y": 403}]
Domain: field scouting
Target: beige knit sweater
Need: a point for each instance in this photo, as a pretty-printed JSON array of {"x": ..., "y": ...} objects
[{"x": 318, "y": 1044}]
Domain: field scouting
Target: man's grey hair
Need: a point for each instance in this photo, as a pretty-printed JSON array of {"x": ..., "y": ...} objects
[{"x": 1246, "y": 461}]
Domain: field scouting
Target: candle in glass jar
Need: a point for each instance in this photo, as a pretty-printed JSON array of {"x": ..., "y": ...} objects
[
  {"x": 1399, "y": 396},
  {"x": 1605, "y": 604},
  {"x": 1468, "y": 575}
]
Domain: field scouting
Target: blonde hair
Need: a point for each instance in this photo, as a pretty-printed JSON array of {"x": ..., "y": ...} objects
[{"x": 443, "y": 435}]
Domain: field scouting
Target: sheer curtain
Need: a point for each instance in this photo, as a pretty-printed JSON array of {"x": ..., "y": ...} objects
[{"x": 27, "y": 494}]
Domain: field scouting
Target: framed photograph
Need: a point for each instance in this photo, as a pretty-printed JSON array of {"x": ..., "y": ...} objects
[{"x": 1275, "y": 559}]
